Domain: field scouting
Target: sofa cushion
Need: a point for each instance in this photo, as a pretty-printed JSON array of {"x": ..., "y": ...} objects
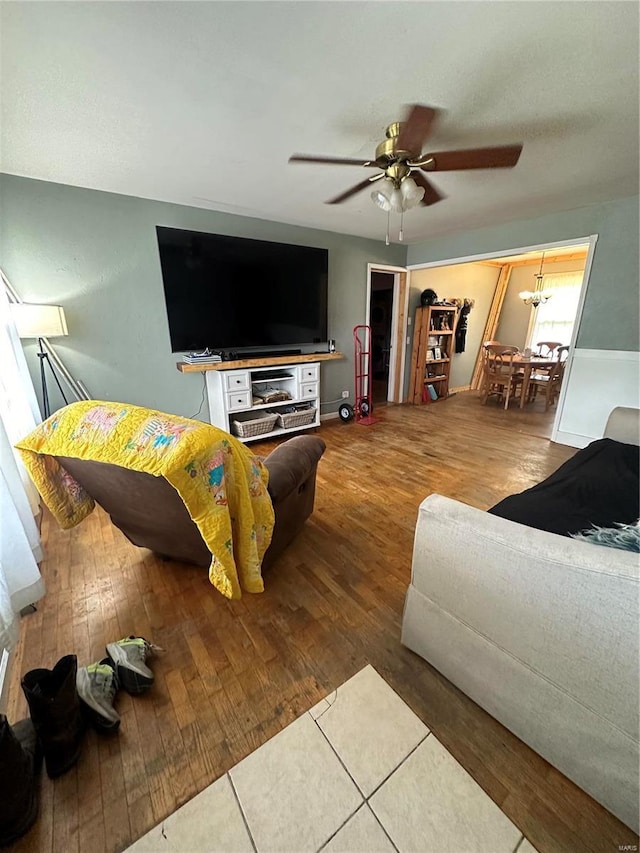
[{"x": 599, "y": 486}]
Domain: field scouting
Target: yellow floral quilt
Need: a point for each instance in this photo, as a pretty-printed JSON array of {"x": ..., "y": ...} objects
[{"x": 222, "y": 484}]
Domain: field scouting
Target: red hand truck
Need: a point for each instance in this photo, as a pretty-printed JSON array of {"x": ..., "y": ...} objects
[{"x": 364, "y": 406}]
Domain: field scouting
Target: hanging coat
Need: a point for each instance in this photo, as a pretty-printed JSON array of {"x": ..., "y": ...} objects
[{"x": 461, "y": 328}]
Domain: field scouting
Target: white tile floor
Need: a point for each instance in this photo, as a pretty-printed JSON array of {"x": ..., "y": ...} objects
[{"x": 358, "y": 773}]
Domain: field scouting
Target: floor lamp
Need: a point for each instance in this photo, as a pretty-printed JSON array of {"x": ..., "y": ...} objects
[{"x": 42, "y": 321}]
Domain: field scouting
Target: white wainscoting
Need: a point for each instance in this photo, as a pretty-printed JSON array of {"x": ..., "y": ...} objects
[{"x": 596, "y": 382}]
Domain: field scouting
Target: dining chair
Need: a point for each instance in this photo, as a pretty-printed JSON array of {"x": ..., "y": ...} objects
[
  {"x": 548, "y": 348},
  {"x": 549, "y": 379},
  {"x": 500, "y": 376}
]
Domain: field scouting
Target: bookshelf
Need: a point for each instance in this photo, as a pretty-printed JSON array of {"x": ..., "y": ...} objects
[{"x": 433, "y": 336}]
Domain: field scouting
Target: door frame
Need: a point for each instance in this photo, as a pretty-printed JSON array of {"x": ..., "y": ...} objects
[
  {"x": 589, "y": 240},
  {"x": 395, "y": 386}
]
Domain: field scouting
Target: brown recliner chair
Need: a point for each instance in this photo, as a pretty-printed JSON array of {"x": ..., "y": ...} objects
[{"x": 150, "y": 513}]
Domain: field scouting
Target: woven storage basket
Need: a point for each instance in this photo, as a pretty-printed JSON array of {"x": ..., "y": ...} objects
[
  {"x": 296, "y": 419},
  {"x": 256, "y": 426}
]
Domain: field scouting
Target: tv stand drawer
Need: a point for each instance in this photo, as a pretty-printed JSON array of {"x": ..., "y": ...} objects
[
  {"x": 238, "y": 400},
  {"x": 237, "y": 380},
  {"x": 309, "y": 373}
]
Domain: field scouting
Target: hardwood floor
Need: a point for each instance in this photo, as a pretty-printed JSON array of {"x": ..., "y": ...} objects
[{"x": 233, "y": 674}]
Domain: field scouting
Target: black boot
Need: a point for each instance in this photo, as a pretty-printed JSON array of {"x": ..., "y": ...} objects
[
  {"x": 19, "y": 766},
  {"x": 54, "y": 705}
]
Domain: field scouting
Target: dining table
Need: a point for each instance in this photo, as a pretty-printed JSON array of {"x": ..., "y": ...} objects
[{"x": 527, "y": 364}]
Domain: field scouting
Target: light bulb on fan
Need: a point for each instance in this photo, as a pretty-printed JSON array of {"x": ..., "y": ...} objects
[
  {"x": 398, "y": 195},
  {"x": 383, "y": 195},
  {"x": 411, "y": 193},
  {"x": 397, "y": 202}
]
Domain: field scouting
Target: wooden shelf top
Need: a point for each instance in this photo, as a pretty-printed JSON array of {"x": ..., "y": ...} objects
[
  {"x": 439, "y": 307},
  {"x": 266, "y": 361}
]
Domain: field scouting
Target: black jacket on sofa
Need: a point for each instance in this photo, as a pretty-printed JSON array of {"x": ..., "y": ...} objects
[{"x": 599, "y": 486}]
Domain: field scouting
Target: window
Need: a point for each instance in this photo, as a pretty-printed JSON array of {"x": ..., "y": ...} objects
[{"x": 554, "y": 320}]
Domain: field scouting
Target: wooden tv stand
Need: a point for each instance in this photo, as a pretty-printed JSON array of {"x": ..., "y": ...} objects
[{"x": 231, "y": 387}]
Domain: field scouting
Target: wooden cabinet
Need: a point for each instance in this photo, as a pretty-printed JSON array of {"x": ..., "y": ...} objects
[{"x": 433, "y": 336}]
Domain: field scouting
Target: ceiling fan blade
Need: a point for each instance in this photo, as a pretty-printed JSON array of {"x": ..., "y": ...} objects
[
  {"x": 502, "y": 157},
  {"x": 348, "y": 193},
  {"x": 431, "y": 194},
  {"x": 415, "y": 129},
  {"x": 336, "y": 161}
]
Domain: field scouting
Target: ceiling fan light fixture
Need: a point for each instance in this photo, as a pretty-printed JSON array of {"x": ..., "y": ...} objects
[
  {"x": 383, "y": 195},
  {"x": 411, "y": 193},
  {"x": 397, "y": 196},
  {"x": 397, "y": 202}
]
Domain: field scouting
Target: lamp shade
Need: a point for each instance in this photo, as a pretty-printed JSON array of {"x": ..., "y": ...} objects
[
  {"x": 39, "y": 321},
  {"x": 411, "y": 193},
  {"x": 383, "y": 195}
]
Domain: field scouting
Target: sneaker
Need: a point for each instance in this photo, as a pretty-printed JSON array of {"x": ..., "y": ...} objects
[
  {"x": 128, "y": 657},
  {"x": 97, "y": 687}
]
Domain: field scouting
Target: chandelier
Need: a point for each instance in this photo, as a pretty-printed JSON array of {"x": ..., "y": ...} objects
[
  {"x": 538, "y": 295},
  {"x": 397, "y": 194}
]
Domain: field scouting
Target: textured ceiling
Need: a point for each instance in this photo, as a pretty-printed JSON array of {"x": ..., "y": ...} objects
[{"x": 202, "y": 103}]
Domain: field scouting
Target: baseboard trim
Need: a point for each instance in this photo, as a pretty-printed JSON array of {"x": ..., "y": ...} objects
[{"x": 571, "y": 439}]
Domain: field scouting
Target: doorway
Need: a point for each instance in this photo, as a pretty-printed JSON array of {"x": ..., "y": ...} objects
[
  {"x": 386, "y": 314},
  {"x": 515, "y": 319},
  {"x": 380, "y": 314},
  {"x": 509, "y": 318}
]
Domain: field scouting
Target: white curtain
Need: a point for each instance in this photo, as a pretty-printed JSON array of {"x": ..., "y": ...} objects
[
  {"x": 554, "y": 320},
  {"x": 20, "y": 549}
]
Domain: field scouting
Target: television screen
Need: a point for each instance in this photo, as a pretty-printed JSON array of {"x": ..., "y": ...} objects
[{"x": 231, "y": 293}]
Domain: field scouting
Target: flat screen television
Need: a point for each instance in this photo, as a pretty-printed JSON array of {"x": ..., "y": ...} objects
[{"x": 232, "y": 293}]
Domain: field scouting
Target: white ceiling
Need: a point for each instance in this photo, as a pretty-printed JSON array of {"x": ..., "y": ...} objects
[{"x": 202, "y": 103}]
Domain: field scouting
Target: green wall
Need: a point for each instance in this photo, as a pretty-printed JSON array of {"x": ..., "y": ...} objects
[
  {"x": 96, "y": 254},
  {"x": 611, "y": 310}
]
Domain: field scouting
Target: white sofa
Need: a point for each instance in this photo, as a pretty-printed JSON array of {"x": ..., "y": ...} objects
[{"x": 540, "y": 630}]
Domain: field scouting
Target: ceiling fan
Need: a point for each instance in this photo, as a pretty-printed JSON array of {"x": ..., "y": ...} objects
[{"x": 403, "y": 163}]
